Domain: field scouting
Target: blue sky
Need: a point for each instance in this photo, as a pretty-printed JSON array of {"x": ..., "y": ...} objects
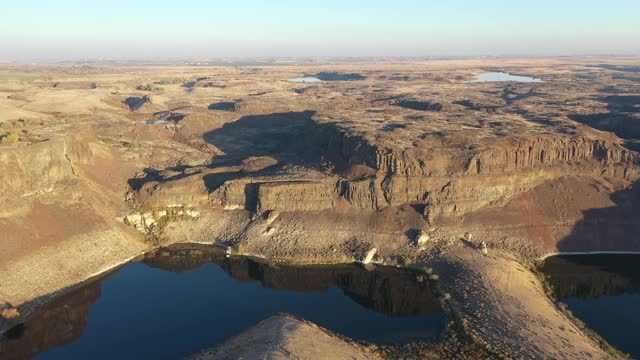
[{"x": 198, "y": 28}]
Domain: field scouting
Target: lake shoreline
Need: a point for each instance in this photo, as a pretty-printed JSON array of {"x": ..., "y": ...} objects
[
  {"x": 570, "y": 253},
  {"x": 450, "y": 297}
]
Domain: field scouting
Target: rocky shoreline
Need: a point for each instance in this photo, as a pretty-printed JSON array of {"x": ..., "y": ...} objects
[{"x": 476, "y": 319}]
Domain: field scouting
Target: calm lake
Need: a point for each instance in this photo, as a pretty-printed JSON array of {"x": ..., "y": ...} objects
[
  {"x": 502, "y": 76},
  {"x": 604, "y": 292},
  {"x": 304, "y": 80},
  {"x": 181, "y": 300}
]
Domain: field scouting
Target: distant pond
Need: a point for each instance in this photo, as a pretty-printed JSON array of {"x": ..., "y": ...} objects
[
  {"x": 604, "y": 292},
  {"x": 178, "y": 301},
  {"x": 502, "y": 76},
  {"x": 304, "y": 80}
]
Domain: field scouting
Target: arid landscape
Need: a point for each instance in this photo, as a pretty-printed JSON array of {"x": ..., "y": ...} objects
[{"x": 413, "y": 164}]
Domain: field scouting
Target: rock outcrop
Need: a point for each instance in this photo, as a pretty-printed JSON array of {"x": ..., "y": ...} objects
[
  {"x": 444, "y": 180},
  {"x": 68, "y": 85},
  {"x": 38, "y": 167}
]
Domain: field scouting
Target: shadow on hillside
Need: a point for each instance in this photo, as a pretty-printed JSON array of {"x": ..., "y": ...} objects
[
  {"x": 621, "y": 119},
  {"x": 515, "y": 92},
  {"x": 152, "y": 174},
  {"x": 291, "y": 138},
  {"x": 283, "y": 136},
  {"x": 614, "y": 228}
]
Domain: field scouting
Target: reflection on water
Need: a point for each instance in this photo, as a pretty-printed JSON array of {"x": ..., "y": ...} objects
[
  {"x": 603, "y": 291},
  {"x": 502, "y": 76},
  {"x": 181, "y": 300},
  {"x": 59, "y": 322}
]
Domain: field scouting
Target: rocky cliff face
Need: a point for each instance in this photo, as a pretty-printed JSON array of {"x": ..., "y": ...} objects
[
  {"x": 527, "y": 153},
  {"x": 491, "y": 178},
  {"x": 468, "y": 179},
  {"x": 60, "y": 211},
  {"x": 38, "y": 167},
  {"x": 441, "y": 177},
  {"x": 364, "y": 147}
]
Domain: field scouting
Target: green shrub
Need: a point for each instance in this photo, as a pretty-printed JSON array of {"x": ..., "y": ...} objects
[
  {"x": 240, "y": 249},
  {"x": 10, "y": 139},
  {"x": 171, "y": 81},
  {"x": 31, "y": 121},
  {"x": 407, "y": 261}
]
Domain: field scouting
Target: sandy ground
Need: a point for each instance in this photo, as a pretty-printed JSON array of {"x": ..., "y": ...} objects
[{"x": 283, "y": 337}]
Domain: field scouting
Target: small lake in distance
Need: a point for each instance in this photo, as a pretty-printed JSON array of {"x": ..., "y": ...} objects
[
  {"x": 603, "y": 291},
  {"x": 178, "y": 301},
  {"x": 502, "y": 76},
  {"x": 304, "y": 80},
  {"x": 155, "y": 122}
]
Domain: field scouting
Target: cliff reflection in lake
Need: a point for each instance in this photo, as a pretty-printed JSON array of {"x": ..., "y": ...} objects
[
  {"x": 180, "y": 300},
  {"x": 603, "y": 291}
]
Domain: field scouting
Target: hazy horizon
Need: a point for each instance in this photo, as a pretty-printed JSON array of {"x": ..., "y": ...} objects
[{"x": 71, "y": 29}]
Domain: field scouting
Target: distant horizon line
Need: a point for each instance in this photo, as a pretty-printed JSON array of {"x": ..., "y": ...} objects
[{"x": 292, "y": 58}]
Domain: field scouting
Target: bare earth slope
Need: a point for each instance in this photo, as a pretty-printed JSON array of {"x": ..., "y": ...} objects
[
  {"x": 282, "y": 337},
  {"x": 504, "y": 304}
]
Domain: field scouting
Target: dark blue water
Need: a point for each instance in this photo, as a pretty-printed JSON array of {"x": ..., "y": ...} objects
[
  {"x": 604, "y": 292},
  {"x": 613, "y": 317},
  {"x": 172, "y": 306}
]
